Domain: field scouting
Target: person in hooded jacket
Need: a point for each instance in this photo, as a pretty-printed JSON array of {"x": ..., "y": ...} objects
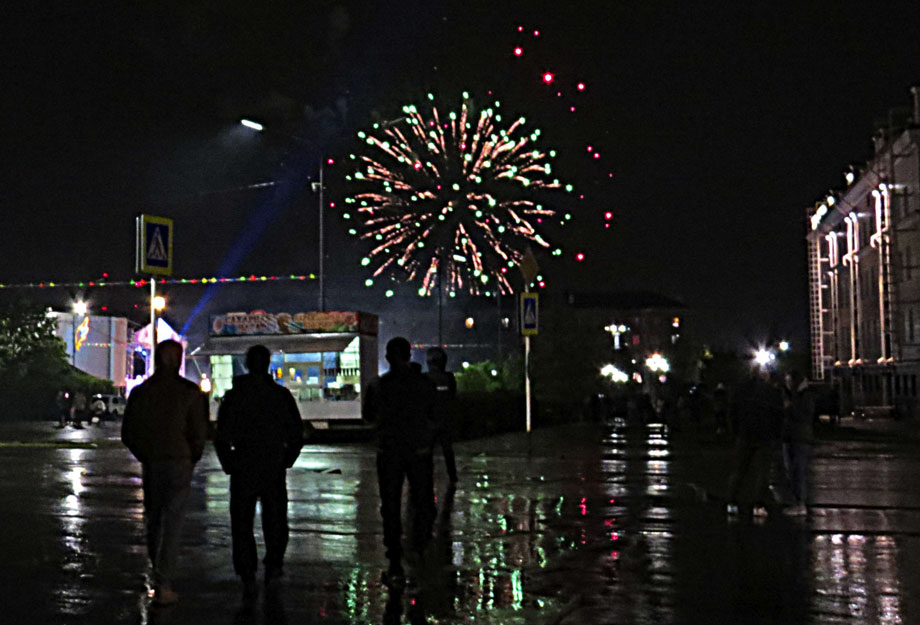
[
  {"x": 259, "y": 436},
  {"x": 401, "y": 404}
]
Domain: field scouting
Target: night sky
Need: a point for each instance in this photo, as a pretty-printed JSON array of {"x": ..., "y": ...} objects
[{"x": 720, "y": 123}]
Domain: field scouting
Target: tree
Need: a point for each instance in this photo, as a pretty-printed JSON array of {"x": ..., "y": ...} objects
[
  {"x": 33, "y": 365},
  {"x": 27, "y": 337}
]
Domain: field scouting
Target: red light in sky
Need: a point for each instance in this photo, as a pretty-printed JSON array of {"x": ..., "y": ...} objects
[
  {"x": 590, "y": 148},
  {"x": 581, "y": 86},
  {"x": 105, "y": 274},
  {"x": 597, "y": 155},
  {"x": 105, "y": 308},
  {"x": 608, "y": 215},
  {"x": 536, "y": 33},
  {"x": 330, "y": 161},
  {"x": 542, "y": 284},
  {"x": 571, "y": 109},
  {"x": 579, "y": 256},
  {"x": 520, "y": 29},
  {"x": 518, "y": 51},
  {"x": 548, "y": 77}
]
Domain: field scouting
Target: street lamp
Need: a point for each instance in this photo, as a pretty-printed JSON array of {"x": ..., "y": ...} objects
[
  {"x": 253, "y": 125},
  {"x": 763, "y": 357},
  {"x": 316, "y": 187},
  {"x": 657, "y": 363},
  {"x": 157, "y": 305}
]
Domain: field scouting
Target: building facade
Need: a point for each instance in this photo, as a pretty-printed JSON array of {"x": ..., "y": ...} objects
[{"x": 864, "y": 276}]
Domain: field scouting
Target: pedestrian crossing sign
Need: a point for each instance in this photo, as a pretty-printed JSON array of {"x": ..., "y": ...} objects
[
  {"x": 530, "y": 314},
  {"x": 154, "y": 245}
]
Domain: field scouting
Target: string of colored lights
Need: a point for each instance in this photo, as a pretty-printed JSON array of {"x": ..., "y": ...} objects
[
  {"x": 454, "y": 196},
  {"x": 143, "y": 282}
]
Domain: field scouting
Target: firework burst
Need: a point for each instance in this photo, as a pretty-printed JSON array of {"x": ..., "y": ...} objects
[{"x": 454, "y": 195}]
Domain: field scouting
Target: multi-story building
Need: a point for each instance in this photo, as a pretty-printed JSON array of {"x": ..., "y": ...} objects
[{"x": 864, "y": 275}]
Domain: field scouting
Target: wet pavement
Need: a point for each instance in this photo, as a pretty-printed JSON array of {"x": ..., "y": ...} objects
[{"x": 585, "y": 524}]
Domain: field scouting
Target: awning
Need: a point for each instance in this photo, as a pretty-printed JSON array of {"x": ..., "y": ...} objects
[{"x": 290, "y": 343}]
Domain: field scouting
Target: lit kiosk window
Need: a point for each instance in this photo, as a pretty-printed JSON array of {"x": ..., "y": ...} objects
[{"x": 323, "y": 358}]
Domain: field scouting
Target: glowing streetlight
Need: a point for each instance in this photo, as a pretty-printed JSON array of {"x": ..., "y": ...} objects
[
  {"x": 159, "y": 303},
  {"x": 763, "y": 357},
  {"x": 318, "y": 188},
  {"x": 657, "y": 362},
  {"x": 80, "y": 308},
  {"x": 251, "y": 124},
  {"x": 615, "y": 375},
  {"x": 784, "y": 346}
]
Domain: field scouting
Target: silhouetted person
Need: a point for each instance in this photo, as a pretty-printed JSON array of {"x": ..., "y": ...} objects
[
  {"x": 720, "y": 410},
  {"x": 759, "y": 413},
  {"x": 445, "y": 406},
  {"x": 164, "y": 426},
  {"x": 62, "y": 403},
  {"x": 259, "y": 436},
  {"x": 798, "y": 438},
  {"x": 77, "y": 409},
  {"x": 401, "y": 405}
]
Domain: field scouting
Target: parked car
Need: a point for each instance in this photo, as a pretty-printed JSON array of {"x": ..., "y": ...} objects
[{"x": 108, "y": 405}]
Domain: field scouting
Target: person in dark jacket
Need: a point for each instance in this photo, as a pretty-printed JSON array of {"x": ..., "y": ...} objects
[
  {"x": 798, "y": 437},
  {"x": 445, "y": 386},
  {"x": 759, "y": 413},
  {"x": 164, "y": 426},
  {"x": 401, "y": 405},
  {"x": 259, "y": 436}
]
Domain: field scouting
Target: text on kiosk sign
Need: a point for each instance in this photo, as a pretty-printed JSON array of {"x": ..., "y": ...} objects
[{"x": 261, "y": 323}]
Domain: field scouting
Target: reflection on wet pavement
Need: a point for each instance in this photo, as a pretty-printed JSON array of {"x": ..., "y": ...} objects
[{"x": 594, "y": 525}]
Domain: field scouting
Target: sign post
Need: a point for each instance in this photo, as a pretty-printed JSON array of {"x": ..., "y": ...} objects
[
  {"x": 154, "y": 257},
  {"x": 530, "y": 326}
]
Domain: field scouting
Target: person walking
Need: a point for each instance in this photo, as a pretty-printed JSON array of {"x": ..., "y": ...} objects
[
  {"x": 798, "y": 438},
  {"x": 400, "y": 403},
  {"x": 445, "y": 386},
  {"x": 78, "y": 409},
  {"x": 259, "y": 436},
  {"x": 759, "y": 414},
  {"x": 164, "y": 427}
]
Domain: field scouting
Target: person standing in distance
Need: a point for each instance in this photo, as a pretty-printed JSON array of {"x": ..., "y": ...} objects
[
  {"x": 164, "y": 426},
  {"x": 445, "y": 386},
  {"x": 401, "y": 405},
  {"x": 259, "y": 436}
]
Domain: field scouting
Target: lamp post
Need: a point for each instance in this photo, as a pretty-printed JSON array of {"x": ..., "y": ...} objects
[
  {"x": 157, "y": 304},
  {"x": 316, "y": 187}
]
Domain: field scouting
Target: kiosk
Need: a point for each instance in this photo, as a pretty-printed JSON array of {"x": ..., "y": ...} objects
[{"x": 325, "y": 359}]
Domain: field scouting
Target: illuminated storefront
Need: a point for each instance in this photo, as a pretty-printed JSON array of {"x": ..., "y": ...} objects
[{"x": 324, "y": 358}]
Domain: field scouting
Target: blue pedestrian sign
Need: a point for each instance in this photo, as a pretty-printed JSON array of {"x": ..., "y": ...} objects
[
  {"x": 530, "y": 314},
  {"x": 154, "y": 245}
]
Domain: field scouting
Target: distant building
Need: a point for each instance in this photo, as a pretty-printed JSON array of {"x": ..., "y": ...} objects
[
  {"x": 864, "y": 275},
  {"x": 96, "y": 345},
  {"x": 641, "y": 321}
]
